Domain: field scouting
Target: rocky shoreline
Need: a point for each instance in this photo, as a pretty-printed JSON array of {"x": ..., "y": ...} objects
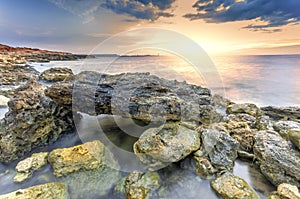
[{"x": 192, "y": 129}]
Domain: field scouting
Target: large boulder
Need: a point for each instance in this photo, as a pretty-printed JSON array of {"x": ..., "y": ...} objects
[
  {"x": 52, "y": 190},
  {"x": 277, "y": 160},
  {"x": 172, "y": 142},
  {"x": 28, "y": 166},
  {"x": 229, "y": 186},
  {"x": 137, "y": 95},
  {"x": 55, "y": 74},
  {"x": 294, "y": 137},
  {"x": 32, "y": 120}
]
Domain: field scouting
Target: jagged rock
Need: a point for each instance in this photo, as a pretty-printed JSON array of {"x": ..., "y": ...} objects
[
  {"x": 284, "y": 113},
  {"x": 56, "y": 74},
  {"x": 27, "y": 167},
  {"x": 32, "y": 120},
  {"x": 16, "y": 75},
  {"x": 3, "y": 101},
  {"x": 283, "y": 127},
  {"x": 138, "y": 185},
  {"x": 169, "y": 143},
  {"x": 229, "y": 186},
  {"x": 250, "y": 109},
  {"x": 294, "y": 137},
  {"x": 287, "y": 191},
  {"x": 277, "y": 160},
  {"x": 220, "y": 147},
  {"x": 138, "y": 95},
  {"x": 87, "y": 156},
  {"x": 52, "y": 190},
  {"x": 203, "y": 165}
]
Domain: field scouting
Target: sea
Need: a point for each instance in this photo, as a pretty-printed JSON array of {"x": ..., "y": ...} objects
[{"x": 260, "y": 79}]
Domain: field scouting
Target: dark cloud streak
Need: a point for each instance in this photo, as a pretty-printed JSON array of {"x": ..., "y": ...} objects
[{"x": 272, "y": 13}]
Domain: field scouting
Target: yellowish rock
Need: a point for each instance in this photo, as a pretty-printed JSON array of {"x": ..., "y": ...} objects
[
  {"x": 230, "y": 186},
  {"x": 87, "y": 156},
  {"x": 52, "y": 190},
  {"x": 288, "y": 191}
]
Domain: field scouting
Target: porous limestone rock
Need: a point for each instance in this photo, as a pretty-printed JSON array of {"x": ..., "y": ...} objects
[
  {"x": 52, "y": 190},
  {"x": 277, "y": 160},
  {"x": 158, "y": 147},
  {"x": 87, "y": 156},
  {"x": 229, "y": 186},
  {"x": 294, "y": 137}
]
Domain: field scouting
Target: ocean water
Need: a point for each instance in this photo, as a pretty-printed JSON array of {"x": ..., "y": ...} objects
[{"x": 263, "y": 80}]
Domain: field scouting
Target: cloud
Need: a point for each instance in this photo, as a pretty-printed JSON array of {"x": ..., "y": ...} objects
[
  {"x": 139, "y": 9},
  {"x": 268, "y": 13}
]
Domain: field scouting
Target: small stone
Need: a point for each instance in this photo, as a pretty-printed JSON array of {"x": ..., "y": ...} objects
[
  {"x": 52, "y": 190},
  {"x": 28, "y": 166},
  {"x": 288, "y": 191},
  {"x": 229, "y": 186},
  {"x": 138, "y": 185},
  {"x": 87, "y": 156}
]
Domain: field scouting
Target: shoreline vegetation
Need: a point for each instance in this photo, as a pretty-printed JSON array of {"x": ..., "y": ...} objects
[{"x": 193, "y": 131}]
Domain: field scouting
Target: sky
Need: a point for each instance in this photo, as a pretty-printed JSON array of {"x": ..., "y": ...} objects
[{"x": 218, "y": 26}]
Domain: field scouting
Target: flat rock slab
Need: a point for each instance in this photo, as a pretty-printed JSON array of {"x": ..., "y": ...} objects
[
  {"x": 277, "y": 160},
  {"x": 52, "y": 190},
  {"x": 137, "y": 95},
  {"x": 230, "y": 186},
  {"x": 87, "y": 156}
]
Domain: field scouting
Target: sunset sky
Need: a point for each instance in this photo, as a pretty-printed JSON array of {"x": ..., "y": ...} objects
[{"x": 218, "y": 26}]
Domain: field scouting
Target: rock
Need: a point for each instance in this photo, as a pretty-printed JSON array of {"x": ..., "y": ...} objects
[
  {"x": 282, "y": 113},
  {"x": 283, "y": 127},
  {"x": 203, "y": 165},
  {"x": 27, "y": 167},
  {"x": 138, "y": 185},
  {"x": 172, "y": 142},
  {"x": 32, "y": 120},
  {"x": 294, "y": 137},
  {"x": 140, "y": 96},
  {"x": 87, "y": 156},
  {"x": 56, "y": 74},
  {"x": 229, "y": 186},
  {"x": 277, "y": 160},
  {"x": 274, "y": 195},
  {"x": 250, "y": 109},
  {"x": 3, "y": 101},
  {"x": 220, "y": 147},
  {"x": 52, "y": 190},
  {"x": 288, "y": 191},
  {"x": 16, "y": 75}
]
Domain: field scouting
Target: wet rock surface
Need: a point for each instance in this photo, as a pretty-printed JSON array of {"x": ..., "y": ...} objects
[
  {"x": 55, "y": 74},
  {"x": 229, "y": 186},
  {"x": 28, "y": 166},
  {"x": 139, "y": 185},
  {"x": 158, "y": 147},
  {"x": 32, "y": 120},
  {"x": 52, "y": 190},
  {"x": 277, "y": 160},
  {"x": 87, "y": 156}
]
